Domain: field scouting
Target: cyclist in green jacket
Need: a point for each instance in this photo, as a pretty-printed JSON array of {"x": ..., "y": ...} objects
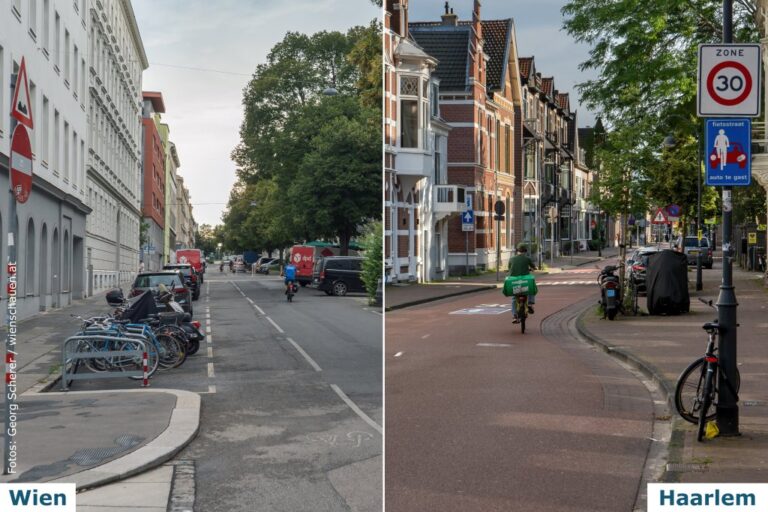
[{"x": 521, "y": 265}]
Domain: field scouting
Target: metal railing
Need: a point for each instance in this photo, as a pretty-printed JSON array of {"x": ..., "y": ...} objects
[{"x": 114, "y": 363}]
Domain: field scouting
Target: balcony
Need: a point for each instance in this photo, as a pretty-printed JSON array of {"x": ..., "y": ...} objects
[
  {"x": 415, "y": 163},
  {"x": 449, "y": 199}
]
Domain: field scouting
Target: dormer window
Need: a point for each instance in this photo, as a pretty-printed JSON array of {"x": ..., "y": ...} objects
[{"x": 414, "y": 111}]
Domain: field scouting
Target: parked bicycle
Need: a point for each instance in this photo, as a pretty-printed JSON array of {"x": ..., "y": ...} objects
[{"x": 698, "y": 387}]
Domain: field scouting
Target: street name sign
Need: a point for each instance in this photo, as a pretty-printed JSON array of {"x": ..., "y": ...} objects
[
  {"x": 729, "y": 80},
  {"x": 660, "y": 217},
  {"x": 728, "y": 152},
  {"x": 468, "y": 220},
  {"x": 21, "y": 164}
]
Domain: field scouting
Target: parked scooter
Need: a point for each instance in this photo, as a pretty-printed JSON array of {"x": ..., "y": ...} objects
[
  {"x": 610, "y": 292},
  {"x": 182, "y": 319}
]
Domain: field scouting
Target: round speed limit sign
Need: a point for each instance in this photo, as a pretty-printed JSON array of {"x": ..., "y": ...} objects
[{"x": 729, "y": 80}]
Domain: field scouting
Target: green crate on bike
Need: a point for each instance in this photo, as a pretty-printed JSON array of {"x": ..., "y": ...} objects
[{"x": 514, "y": 285}]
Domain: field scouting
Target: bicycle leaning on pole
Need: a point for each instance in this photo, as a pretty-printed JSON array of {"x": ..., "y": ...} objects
[{"x": 698, "y": 386}]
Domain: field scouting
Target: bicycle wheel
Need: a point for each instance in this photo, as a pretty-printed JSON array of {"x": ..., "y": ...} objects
[
  {"x": 522, "y": 313},
  {"x": 689, "y": 389},
  {"x": 706, "y": 401},
  {"x": 135, "y": 363},
  {"x": 171, "y": 352}
]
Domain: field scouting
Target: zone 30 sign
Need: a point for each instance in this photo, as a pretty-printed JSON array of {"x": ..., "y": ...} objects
[{"x": 729, "y": 80}]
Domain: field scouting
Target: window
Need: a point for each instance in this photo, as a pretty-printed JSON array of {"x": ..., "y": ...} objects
[
  {"x": 75, "y": 171},
  {"x": 33, "y": 18},
  {"x": 498, "y": 145},
  {"x": 55, "y": 166},
  {"x": 507, "y": 149},
  {"x": 46, "y": 128},
  {"x": 409, "y": 123},
  {"x": 82, "y": 81},
  {"x": 438, "y": 158},
  {"x": 2, "y": 86},
  {"x": 435, "y": 100},
  {"x": 67, "y": 69},
  {"x": 75, "y": 70},
  {"x": 46, "y": 25},
  {"x": 17, "y": 8},
  {"x": 65, "y": 163},
  {"x": 57, "y": 41}
]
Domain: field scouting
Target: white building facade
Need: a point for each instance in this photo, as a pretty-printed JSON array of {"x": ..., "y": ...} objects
[
  {"x": 51, "y": 36},
  {"x": 116, "y": 60}
]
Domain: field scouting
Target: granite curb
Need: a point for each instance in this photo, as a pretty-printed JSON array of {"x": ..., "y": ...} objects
[{"x": 182, "y": 429}]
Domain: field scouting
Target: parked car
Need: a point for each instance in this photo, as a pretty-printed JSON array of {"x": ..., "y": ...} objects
[
  {"x": 239, "y": 266},
  {"x": 172, "y": 279},
  {"x": 637, "y": 267},
  {"x": 337, "y": 275},
  {"x": 690, "y": 246},
  {"x": 191, "y": 278},
  {"x": 273, "y": 265}
]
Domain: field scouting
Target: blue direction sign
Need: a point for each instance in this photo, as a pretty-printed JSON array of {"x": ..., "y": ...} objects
[
  {"x": 468, "y": 220},
  {"x": 728, "y": 153}
]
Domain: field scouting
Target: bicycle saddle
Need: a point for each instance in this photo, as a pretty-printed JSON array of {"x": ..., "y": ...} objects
[{"x": 711, "y": 326}]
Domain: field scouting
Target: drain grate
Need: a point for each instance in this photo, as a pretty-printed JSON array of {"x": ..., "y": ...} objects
[{"x": 685, "y": 468}]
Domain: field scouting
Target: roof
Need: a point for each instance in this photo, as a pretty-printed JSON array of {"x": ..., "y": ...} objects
[
  {"x": 526, "y": 66},
  {"x": 548, "y": 86},
  {"x": 450, "y": 46},
  {"x": 563, "y": 102},
  {"x": 496, "y": 34},
  {"x": 157, "y": 100}
]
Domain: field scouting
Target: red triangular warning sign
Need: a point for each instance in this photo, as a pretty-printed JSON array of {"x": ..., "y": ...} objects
[
  {"x": 660, "y": 217},
  {"x": 21, "y": 106}
]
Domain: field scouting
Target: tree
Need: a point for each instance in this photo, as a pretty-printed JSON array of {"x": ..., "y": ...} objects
[
  {"x": 310, "y": 162},
  {"x": 373, "y": 265},
  {"x": 645, "y": 53}
]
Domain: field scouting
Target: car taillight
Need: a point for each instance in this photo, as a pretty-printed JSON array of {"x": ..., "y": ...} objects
[
  {"x": 637, "y": 268},
  {"x": 196, "y": 324},
  {"x": 322, "y": 274},
  {"x": 194, "y": 278},
  {"x": 135, "y": 292},
  {"x": 179, "y": 290}
]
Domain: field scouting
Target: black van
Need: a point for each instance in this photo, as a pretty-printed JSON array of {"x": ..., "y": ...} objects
[{"x": 337, "y": 275}]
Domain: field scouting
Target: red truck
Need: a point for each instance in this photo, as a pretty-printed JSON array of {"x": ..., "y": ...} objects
[
  {"x": 304, "y": 257},
  {"x": 194, "y": 257}
]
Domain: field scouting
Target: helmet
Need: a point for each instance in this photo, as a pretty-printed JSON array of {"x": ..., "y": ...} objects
[{"x": 522, "y": 248}]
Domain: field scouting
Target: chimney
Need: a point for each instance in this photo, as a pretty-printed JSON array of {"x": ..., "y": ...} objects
[
  {"x": 476, "y": 25},
  {"x": 449, "y": 18}
]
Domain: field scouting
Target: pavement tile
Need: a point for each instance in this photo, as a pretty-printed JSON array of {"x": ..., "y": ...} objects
[{"x": 666, "y": 345}]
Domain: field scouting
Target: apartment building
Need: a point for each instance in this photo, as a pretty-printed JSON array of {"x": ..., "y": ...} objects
[
  {"x": 52, "y": 39},
  {"x": 116, "y": 61}
]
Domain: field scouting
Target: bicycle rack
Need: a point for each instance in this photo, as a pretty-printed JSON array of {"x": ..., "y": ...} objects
[{"x": 68, "y": 358}]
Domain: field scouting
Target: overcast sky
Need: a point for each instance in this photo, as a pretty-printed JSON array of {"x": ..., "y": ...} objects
[
  {"x": 203, "y": 108},
  {"x": 538, "y": 24}
]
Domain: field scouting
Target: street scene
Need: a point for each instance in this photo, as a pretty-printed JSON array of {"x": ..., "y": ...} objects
[
  {"x": 574, "y": 256},
  {"x": 192, "y": 249}
]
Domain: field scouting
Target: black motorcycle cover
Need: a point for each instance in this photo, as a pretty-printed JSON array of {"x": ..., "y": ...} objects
[
  {"x": 667, "y": 283},
  {"x": 140, "y": 307}
]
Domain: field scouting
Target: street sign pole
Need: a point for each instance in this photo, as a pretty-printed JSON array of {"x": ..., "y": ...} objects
[
  {"x": 10, "y": 334},
  {"x": 699, "y": 158},
  {"x": 466, "y": 252},
  {"x": 727, "y": 406}
]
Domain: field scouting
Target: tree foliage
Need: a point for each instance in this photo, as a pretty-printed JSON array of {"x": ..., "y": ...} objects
[
  {"x": 309, "y": 162},
  {"x": 373, "y": 265},
  {"x": 645, "y": 57}
]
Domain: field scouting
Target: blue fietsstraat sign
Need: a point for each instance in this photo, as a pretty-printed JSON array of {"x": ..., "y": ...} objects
[{"x": 728, "y": 152}]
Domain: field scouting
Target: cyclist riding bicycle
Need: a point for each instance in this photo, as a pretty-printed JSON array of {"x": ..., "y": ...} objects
[
  {"x": 521, "y": 265},
  {"x": 289, "y": 272}
]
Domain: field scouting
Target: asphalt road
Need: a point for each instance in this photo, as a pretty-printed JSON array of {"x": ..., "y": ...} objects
[
  {"x": 483, "y": 418},
  {"x": 279, "y": 430}
]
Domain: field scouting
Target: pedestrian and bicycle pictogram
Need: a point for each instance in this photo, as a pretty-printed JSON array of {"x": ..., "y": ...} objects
[{"x": 728, "y": 152}]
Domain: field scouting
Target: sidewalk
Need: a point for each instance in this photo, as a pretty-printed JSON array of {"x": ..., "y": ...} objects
[
  {"x": 662, "y": 346},
  {"x": 398, "y": 296},
  {"x": 93, "y": 438}
]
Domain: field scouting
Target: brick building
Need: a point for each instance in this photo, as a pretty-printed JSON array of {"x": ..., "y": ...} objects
[
  {"x": 480, "y": 98},
  {"x": 152, "y": 181},
  {"x": 418, "y": 203}
]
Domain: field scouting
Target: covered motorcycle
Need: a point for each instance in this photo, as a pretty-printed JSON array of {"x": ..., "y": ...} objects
[{"x": 667, "y": 283}]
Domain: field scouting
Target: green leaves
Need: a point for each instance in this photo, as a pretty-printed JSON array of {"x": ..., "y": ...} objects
[{"x": 310, "y": 163}]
